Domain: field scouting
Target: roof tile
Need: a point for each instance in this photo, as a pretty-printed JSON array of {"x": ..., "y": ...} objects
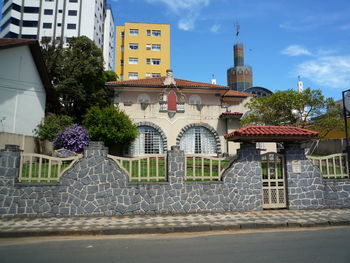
[{"x": 277, "y": 131}]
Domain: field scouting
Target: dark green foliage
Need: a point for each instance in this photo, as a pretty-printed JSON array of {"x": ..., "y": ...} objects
[
  {"x": 52, "y": 124},
  {"x": 110, "y": 76},
  {"x": 78, "y": 76},
  {"x": 308, "y": 109},
  {"x": 110, "y": 125}
]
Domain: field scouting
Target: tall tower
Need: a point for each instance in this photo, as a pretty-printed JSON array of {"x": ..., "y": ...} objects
[
  {"x": 142, "y": 50},
  {"x": 61, "y": 20},
  {"x": 300, "y": 85},
  {"x": 240, "y": 76}
]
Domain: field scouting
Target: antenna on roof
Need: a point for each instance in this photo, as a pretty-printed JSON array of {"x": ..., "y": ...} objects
[{"x": 237, "y": 27}]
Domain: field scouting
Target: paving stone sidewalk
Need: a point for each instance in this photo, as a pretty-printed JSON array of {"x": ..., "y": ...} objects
[{"x": 172, "y": 223}]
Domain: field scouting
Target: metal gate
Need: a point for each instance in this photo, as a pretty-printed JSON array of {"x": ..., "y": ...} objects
[{"x": 273, "y": 180}]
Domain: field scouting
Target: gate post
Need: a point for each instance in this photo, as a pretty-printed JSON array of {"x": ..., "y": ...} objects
[{"x": 304, "y": 185}]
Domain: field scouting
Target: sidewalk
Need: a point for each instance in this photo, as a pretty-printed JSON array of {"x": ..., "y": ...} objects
[{"x": 19, "y": 227}]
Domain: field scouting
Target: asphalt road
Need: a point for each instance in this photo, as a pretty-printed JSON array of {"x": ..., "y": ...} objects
[{"x": 324, "y": 245}]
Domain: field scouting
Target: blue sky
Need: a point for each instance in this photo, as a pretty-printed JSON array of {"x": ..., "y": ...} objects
[{"x": 282, "y": 39}]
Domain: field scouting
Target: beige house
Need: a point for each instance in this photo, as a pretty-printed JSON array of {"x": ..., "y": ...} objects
[{"x": 170, "y": 111}]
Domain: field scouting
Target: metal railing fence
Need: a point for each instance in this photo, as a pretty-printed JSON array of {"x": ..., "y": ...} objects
[
  {"x": 204, "y": 168},
  {"x": 148, "y": 168},
  {"x": 333, "y": 166},
  {"x": 36, "y": 168}
]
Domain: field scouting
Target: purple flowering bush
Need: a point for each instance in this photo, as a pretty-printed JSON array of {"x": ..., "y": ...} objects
[{"x": 74, "y": 138}]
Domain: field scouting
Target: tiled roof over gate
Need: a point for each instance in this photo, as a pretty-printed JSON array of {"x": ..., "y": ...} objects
[{"x": 271, "y": 133}]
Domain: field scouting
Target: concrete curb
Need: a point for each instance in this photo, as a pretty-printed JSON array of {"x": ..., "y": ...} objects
[{"x": 169, "y": 229}]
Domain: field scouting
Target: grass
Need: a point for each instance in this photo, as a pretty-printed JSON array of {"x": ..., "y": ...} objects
[
  {"x": 197, "y": 171},
  {"x": 51, "y": 178},
  {"x": 141, "y": 166}
]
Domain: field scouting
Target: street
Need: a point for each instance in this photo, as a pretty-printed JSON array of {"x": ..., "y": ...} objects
[{"x": 320, "y": 245}]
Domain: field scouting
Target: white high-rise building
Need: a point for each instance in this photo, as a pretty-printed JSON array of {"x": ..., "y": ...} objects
[{"x": 61, "y": 20}]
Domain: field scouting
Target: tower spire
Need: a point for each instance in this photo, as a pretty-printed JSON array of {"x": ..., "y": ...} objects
[
  {"x": 300, "y": 85},
  {"x": 238, "y": 28}
]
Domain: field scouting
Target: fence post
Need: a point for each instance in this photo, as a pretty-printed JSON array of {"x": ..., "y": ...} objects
[
  {"x": 176, "y": 167},
  {"x": 10, "y": 162}
]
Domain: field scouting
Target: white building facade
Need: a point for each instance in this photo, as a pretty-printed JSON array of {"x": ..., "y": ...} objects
[{"x": 61, "y": 20}]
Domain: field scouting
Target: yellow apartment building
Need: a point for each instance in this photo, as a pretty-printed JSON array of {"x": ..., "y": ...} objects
[{"x": 142, "y": 50}]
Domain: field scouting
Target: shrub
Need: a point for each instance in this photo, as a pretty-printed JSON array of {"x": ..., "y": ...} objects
[
  {"x": 52, "y": 124},
  {"x": 74, "y": 138},
  {"x": 110, "y": 125}
]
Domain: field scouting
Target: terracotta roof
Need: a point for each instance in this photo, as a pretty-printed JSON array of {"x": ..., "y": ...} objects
[
  {"x": 271, "y": 134},
  {"x": 231, "y": 114},
  {"x": 235, "y": 93},
  {"x": 158, "y": 82}
]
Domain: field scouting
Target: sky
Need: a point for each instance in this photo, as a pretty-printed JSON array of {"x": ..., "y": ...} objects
[{"x": 283, "y": 39}]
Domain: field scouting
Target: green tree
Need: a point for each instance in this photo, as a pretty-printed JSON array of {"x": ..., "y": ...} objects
[
  {"x": 78, "y": 76},
  {"x": 52, "y": 124},
  {"x": 305, "y": 109},
  {"x": 109, "y": 125},
  {"x": 110, "y": 76}
]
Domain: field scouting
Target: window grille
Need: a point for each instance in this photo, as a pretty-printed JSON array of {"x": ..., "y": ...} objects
[
  {"x": 149, "y": 141},
  {"x": 198, "y": 140}
]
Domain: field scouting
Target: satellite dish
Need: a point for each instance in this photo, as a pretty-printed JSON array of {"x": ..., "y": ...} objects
[{"x": 347, "y": 100}]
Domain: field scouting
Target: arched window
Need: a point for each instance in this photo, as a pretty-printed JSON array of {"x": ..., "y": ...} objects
[
  {"x": 198, "y": 140},
  {"x": 149, "y": 141}
]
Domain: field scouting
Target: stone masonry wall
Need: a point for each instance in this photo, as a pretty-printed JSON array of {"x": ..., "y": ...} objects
[
  {"x": 96, "y": 186},
  {"x": 306, "y": 187}
]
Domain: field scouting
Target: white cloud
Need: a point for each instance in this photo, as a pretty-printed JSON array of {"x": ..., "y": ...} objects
[
  {"x": 296, "y": 50},
  {"x": 215, "y": 28},
  {"x": 329, "y": 71},
  {"x": 187, "y": 10}
]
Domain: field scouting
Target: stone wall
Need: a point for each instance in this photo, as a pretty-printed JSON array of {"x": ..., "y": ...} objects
[{"x": 97, "y": 186}]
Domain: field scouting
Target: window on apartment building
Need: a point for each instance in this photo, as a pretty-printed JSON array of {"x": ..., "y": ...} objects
[
  {"x": 121, "y": 76},
  {"x": 16, "y": 7},
  {"x": 48, "y": 11},
  {"x": 134, "y": 46},
  {"x": 133, "y": 32},
  {"x": 72, "y": 12},
  {"x": 122, "y": 48},
  {"x": 148, "y": 75},
  {"x": 30, "y": 9},
  {"x": 59, "y": 24},
  {"x": 148, "y": 61},
  {"x": 155, "y": 61},
  {"x": 122, "y": 62},
  {"x": 133, "y": 75},
  {"x": 156, "y": 47},
  {"x": 71, "y": 26},
  {"x": 47, "y": 25},
  {"x": 122, "y": 34},
  {"x": 148, "y": 32},
  {"x": 49, "y": 0},
  {"x": 198, "y": 140},
  {"x": 155, "y": 75},
  {"x": 133, "y": 61},
  {"x": 30, "y": 23},
  {"x": 69, "y": 39},
  {"x": 29, "y": 36},
  {"x": 148, "y": 46},
  {"x": 73, "y": 1},
  {"x": 156, "y": 33},
  {"x": 60, "y": 11}
]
